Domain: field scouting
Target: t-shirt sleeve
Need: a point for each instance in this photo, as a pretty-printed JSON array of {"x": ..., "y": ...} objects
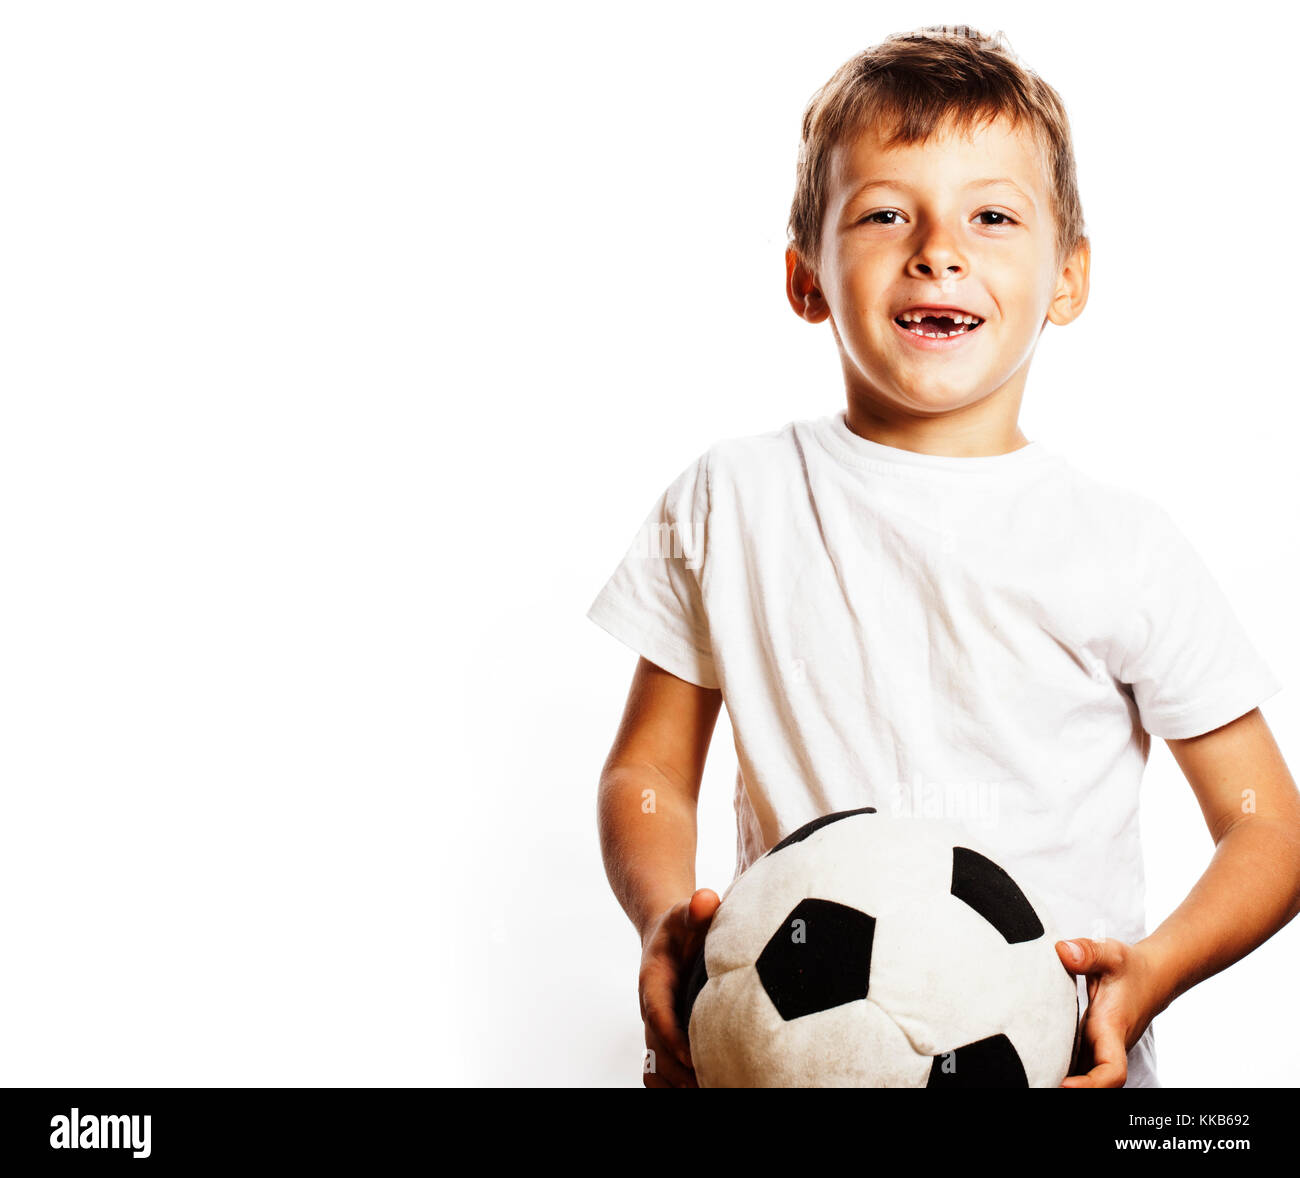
[
  {"x": 1185, "y": 654},
  {"x": 653, "y": 602}
]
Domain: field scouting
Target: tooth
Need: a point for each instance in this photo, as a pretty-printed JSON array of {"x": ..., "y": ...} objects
[{"x": 919, "y": 316}]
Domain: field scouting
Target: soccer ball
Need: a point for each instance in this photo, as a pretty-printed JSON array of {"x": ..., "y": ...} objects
[{"x": 874, "y": 952}]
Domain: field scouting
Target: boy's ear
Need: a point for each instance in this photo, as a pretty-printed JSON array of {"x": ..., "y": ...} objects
[
  {"x": 802, "y": 290},
  {"x": 1071, "y": 293}
]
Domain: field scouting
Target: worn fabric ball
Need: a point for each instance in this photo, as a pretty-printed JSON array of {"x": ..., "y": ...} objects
[{"x": 870, "y": 951}]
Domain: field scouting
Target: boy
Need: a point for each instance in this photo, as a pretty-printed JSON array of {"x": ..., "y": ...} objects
[{"x": 909, "y": 595}]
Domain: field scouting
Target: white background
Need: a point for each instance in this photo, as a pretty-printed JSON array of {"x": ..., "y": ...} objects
[{"x": 345, "y": 348}]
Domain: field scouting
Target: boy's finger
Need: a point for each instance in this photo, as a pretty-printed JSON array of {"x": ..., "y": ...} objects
[
  {"x": 1110, "y": 1069},
  {"x": 1104, "y": 1075},
  {"x": 665, "y": 1063},
  {"x": 1078, "y": 955},
  {"x": 661, "y": 1017},
  {"x": 1083, "y": 955},
  {"x": 699, "y": 914},
  {"x": 704, "y": 904}
]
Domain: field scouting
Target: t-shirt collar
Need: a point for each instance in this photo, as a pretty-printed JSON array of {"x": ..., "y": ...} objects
[{"x": 863, "y": 451}]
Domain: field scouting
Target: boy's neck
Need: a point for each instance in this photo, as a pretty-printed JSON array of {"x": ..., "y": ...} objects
[{"x": 939, "y": 436}]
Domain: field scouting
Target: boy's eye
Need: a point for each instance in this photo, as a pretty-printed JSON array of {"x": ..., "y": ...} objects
[{"x": 875, "y": 218}]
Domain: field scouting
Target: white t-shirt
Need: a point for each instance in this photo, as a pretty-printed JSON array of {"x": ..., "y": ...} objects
[{"x": 988, "y": 639}]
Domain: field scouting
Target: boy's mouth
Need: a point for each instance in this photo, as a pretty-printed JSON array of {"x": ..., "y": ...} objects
[{"x": 938, "y": 322}]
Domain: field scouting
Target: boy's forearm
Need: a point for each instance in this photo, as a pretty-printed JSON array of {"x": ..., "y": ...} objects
[
  {"x": 1250, "y": 890},
  {"x": 647, "y": 839}
]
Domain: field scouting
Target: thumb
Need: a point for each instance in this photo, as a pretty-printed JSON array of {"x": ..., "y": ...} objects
[
  {"x": 1083, "y": 955},
  {"x": 704, "y": 903}
]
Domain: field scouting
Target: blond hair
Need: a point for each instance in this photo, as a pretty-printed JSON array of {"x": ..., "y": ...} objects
[{"x": 909, "y": 87}]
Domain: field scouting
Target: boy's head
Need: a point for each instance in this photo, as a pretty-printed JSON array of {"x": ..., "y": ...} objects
[{"x": 937, "y": 172}]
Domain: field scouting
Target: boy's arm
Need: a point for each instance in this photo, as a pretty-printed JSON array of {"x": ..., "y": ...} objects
[
  {"x": 646, "y": 812},
  {"x": 1252, "y": 885},
  {"x": 1250, "y": 889}
]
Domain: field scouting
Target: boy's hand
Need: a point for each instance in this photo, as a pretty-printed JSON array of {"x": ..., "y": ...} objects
[
  {"x": 667, "y": 950},
  {"x": 1120, "y": 1005}
]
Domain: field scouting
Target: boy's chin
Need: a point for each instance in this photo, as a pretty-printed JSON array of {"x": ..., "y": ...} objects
[{"x": 937, "y": 396}]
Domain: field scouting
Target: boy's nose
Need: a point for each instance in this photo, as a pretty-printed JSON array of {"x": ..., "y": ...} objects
[
  {"x": 936, "y": 262},
  {"x": 947, "y": 275},
  {"x": 937, "y": 257}
]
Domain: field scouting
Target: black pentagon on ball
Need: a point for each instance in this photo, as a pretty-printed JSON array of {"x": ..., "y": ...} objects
[
  {"x": 988, "y": 889},
  {"x": 819, "y": 958},
  {"x": 697, "y": 975},
  {"x": 1078, "y": 1034},
  {"x": 815, "y": 825},
  {"x": 986, "y": 1063}
]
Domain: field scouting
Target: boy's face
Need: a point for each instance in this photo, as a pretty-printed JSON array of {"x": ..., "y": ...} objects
[{"x": 957, "y": 222}]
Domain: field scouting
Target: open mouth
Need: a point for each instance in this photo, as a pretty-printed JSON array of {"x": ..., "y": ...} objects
[{"x": 935, "y": 324}]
